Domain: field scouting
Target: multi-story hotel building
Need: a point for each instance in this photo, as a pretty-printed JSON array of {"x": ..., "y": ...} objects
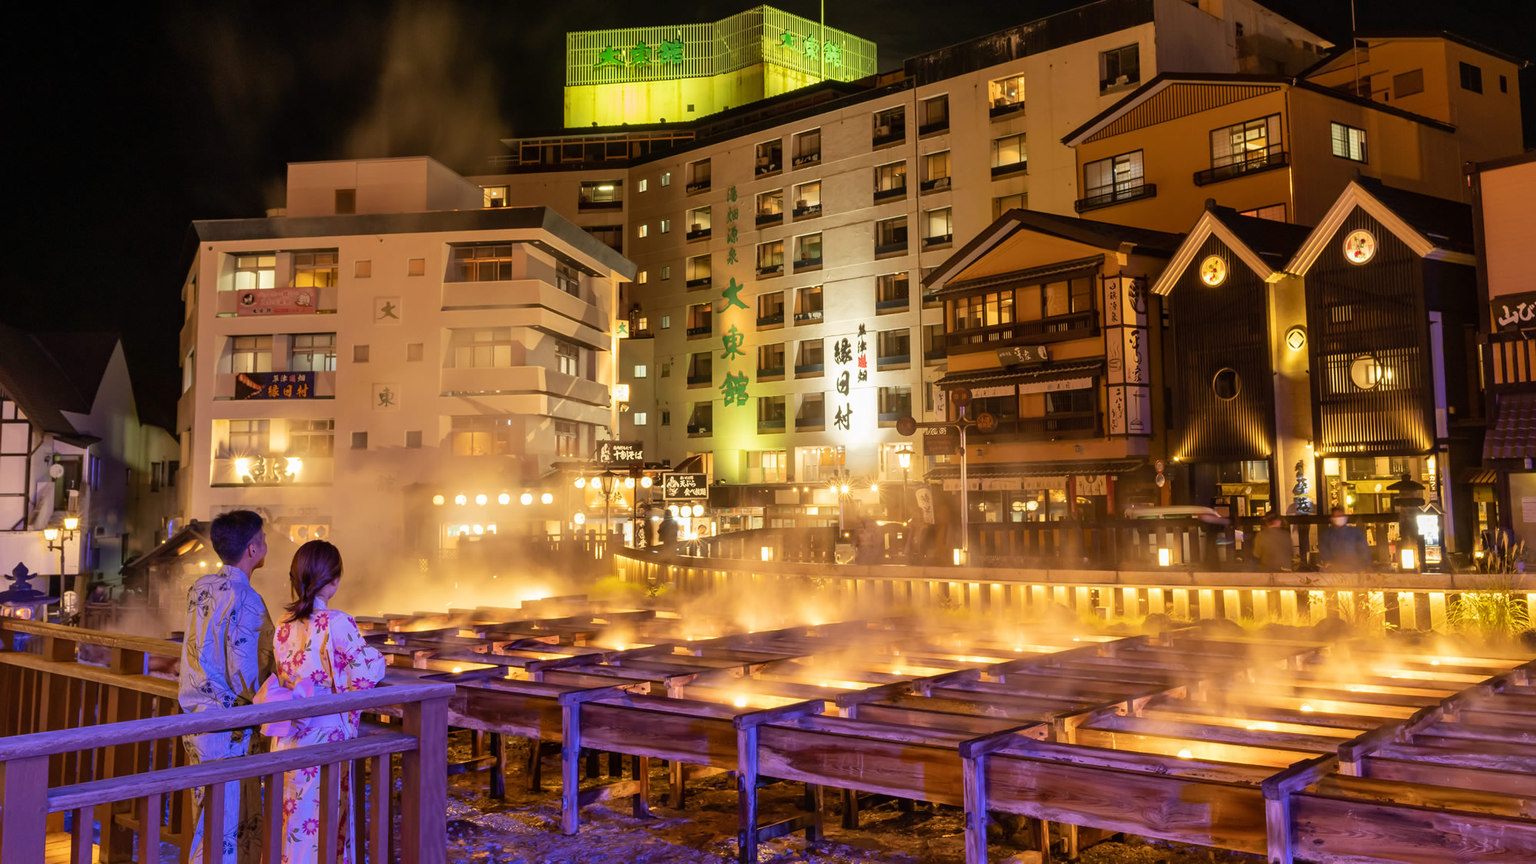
[
  {"x": 389, "y": 364},
  {"x": 780, "y": 245}
]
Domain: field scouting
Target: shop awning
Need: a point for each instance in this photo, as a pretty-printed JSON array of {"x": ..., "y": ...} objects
[
  {"x": 1053, "y": 372},
  {"x": 1479, "y": 476},
  {"x": 1513, "y": 435}
]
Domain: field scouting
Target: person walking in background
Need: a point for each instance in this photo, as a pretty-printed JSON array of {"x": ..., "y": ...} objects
[
  {"x": 225, "y": 655},
  {"x": 1272, "y": 548},
  {"x": 666, "y": 532},
  {"x": 1342, "y": 546},
  {"x": 319, "y": 651}
]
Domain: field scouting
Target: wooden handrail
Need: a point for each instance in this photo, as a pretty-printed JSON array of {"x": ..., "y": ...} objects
[
  {"x": 245, "y": 716},
  {"x": 148, "y": 645}
]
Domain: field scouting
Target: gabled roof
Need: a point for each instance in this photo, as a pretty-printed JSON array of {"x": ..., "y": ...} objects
[
  {"x": 50, "y": 373},
  {"x": 1238, "y": 86},
  {"x": 1432, "y": 227},
  {"x": 1265, "y": 245},
  {"x": 1104, "y": 235}
]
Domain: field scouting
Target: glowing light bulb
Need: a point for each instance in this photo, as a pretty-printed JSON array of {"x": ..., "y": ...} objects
[
  {"x": 645, "y": 482},
  {"x": 629, "y": 482},
  {"x": 242, "y": 467},
  {"x": 461, "y": 499},
  {"x": 479, "y": 529},
  {"x": 437, "y": 500},
  {"x": 874, "y": 487},
  {"x": 1307, "y": 708},
  {"x": 739, "y": 701},
  {"x": 503, "y": 499},
  {"x": 581, "y": 482},
  {"x": 547, "y": 498},
  {"x": 1185, "y": 754},
  {"x": 527, "y": 498},
  {"x": 294, "y": 466},
  {"x": 481, "y": 499}
]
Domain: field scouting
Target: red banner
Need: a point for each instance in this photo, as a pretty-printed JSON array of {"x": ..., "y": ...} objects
[{"x": 277, "y": 301}]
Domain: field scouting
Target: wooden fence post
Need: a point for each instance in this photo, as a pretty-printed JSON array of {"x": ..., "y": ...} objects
[
  {"x": 24, "y": 798},
  {"x": 424, "y": 793}
]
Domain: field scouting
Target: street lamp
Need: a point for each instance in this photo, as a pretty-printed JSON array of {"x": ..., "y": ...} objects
[
  {"x": 56, "y": 539},
  {"x": 904, "y": 458}
]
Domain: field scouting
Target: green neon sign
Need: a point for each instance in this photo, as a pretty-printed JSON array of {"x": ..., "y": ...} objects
[{"x": 668, "y": 53}]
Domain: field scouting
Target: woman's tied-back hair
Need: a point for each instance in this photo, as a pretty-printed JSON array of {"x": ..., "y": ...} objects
[{"x": 316, "y": 565}]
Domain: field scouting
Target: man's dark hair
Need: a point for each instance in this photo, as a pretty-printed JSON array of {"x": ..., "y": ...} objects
[{"x": 232, "y": 532}]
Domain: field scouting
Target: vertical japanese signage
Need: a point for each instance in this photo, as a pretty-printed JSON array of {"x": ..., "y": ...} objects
[
  {"x": 850, "y": 372},
  {"x": 1128, "y": 376},
  {"x": 733, "y": 388}
]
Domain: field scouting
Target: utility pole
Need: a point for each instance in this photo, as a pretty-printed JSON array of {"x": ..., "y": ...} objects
[{"x": 961, "y": 397}]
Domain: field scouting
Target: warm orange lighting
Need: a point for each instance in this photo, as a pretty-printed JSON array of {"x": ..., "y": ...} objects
[
  {"x": 71, "y": 523},
  {"x": 50, "y": 534}
]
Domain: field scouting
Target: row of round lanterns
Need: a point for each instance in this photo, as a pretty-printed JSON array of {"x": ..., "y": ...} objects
[{"x": 482, "y": 499}]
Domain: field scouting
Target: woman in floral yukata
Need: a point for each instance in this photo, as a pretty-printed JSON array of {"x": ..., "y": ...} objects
[{"x": 318, "y": 651}]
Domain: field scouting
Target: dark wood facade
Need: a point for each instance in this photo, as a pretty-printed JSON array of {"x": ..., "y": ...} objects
[{"x": 1219, "y": 329}]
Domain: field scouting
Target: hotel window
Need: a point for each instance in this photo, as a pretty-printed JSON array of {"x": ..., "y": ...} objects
[
  {"x": 892, "y": 292},
  {"x": 666, "y": 226},
  {"x": 255, "y": 271},
  {"x": 813, "y": 412},
  {"x": 566, "y": 442},
  {"x": 890, "y": 180},
  {"x": 249, "y": 436},
  {"x": 362, "y": 268},
  {"x": 808, "y": 304},
  {"x": 345, "y": 201},
  {"x": 643, "y": 231},
  {"x": 666, "y": 272},
  {"x": 312, "y": 352},
  {"x": 768, "y": 466},
  {"x": 770, "y": 360},
  {"x": 933, "y": 115},
  {"x": 933, "y": 343},
  {"x": 315, "y": 269},
  {"x": 312, "y": 438},
  {"x": 481, "y": 262},
  {"x": 1348, "y": 142},
  {"x": 770, "y": 156},
  {"x": 1275, "y": 212},
  {"x": 480, "y": 347},
  {"x": 808, "y": 251},
  {"x": 702, "y": 419},
  {"x": 808, "y": 199},
  {"x": 809, "y": 359},
  {"x": 478, "y": 435},
  {"x": 1009, "y": 155},
  {"x": 600, "y": 195},
  {"x": 568, "y": 278},
  {"x": 807, "y": 148},
  {"x": 698, "y": 223},
  {"x": 1118, "y": 178},
  {"x": 1003, "y": 203},
  {"x": 770, "y": 258},
  {"x": 1048, "y": 311},
  {"x": 890, "y": 125},
  {"x": 611, "y": 236},
  {"x": 770, "y": 206},
  {"x": 1408, "y": 83},
  {"x": 666, "y": 178},
  {"x": 640, "y": 418},
  {"x": 935, "y": 171},
  {"x": 1471, "y": 77},
  {"x": 697, "y": 270},
  {"x": 567, "y": 358},
  {"x": 770, "y": 413},
  {"x": 891, "y": 235},
  {"x": 895, "y": 403},
  {"x": 359, "y": 440},
  {"x": 770, "y": 309},
  {"x": 1006, "y": 95},
  {"x": 640, "y": 370},
  {"x": 1244, "y": 147},
  {"x": 700, "y": 319},
  {"x": 939, "y": 228},
  {"x": 413, "y": 439},
  {"x": 640, "y": 185},
  {"x": 495, "y": 196},
  {"x": 698, "y": 175},
  {"x": 1119, "y": 67},
  {"x": 250, "y": 354},
  {"x": 893, "y": 347}
]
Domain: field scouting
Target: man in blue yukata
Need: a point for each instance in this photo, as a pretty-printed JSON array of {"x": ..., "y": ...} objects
[{"x": 226, "y": 655}]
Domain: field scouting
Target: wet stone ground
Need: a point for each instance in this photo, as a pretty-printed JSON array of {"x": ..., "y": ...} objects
[{"x": 524, "y": 828}]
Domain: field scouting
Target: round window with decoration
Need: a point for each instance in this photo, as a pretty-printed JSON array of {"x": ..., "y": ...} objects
[
  {"x": 1359, "y": 246},
  {"x": 1213, "y": 270}
]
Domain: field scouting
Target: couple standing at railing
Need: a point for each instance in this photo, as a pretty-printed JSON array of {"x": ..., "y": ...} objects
[{"x": 227, "y": 659}]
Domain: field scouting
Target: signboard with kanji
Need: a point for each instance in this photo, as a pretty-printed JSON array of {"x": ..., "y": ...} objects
[
  {"x": 276, "y": 301},
  {"x": 1020, "y": 354},
  {"x": 275, "y": 385},
  {"x": 1514, "y": 311},
  {"x": 677, "y": 486},
  {"x": 621, "y": 452}
]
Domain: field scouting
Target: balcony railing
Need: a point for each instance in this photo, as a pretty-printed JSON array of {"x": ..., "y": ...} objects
[
  {"x": 1063, "y": 425},
  {"x": 937, "y": 184},
  {"x": 807, "y": 159},
  {"x": 1255, "y": 162},
  {"x": 1011, "y": 168},
  {"x": 893, "y": 303},
  {"x": 1078, "y": 325},
  {"x": 934, "y": 127},
  {"x": 805, "y": 317},
  {"x": 701, "y": 330},
  {"x": 1118, "y": 195},
  {"x": 892, "y": 247},
  {"x": 698, "y": 233},
  {"x": 770, "y": 320},
  {"x": 808, "y": 423},
  {"x": 584, "y": 205},
  {"x": 938, "y": 240},
  {"x": 700, "y": 379},
  {"x": 701, "y": 282},
  {"x": 1003, "y": 109},
  {"x": 894, "y": 360},
  {"x": 769, "y": 166},
  {"x": 807, "y": 263},
  {"x": 771, "y": 371},
  {"x": 807, "y": 210},
  {"x": 698, "y": 186},
  {"x": 891, "y": 194},
  {"x": 770, "y": 269},
  {"x": 888, "y": 134},
  {"x": 698, "y": 428},
  {"x": 934, "y": 355},
  {"x": 765, "y": 426},
  {"x": 769, "y": 218},
  {"x": 804, "y": 369}
]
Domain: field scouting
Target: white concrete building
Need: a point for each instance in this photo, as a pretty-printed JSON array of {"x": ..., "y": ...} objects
[
  {"x": 827, "y": 206},
  {"x": 389, "y": 365}
]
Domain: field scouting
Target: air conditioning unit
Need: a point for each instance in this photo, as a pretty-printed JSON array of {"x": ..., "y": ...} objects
[{"x": 882, "y": 131}]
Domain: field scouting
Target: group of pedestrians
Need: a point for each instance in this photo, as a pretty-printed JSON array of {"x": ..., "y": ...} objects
[
  {"x": 1340, "y": 546},
  {"x": 233, "y": 655}
]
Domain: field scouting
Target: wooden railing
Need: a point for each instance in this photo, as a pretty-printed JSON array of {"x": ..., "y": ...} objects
[{"x": 103, "y": 743}]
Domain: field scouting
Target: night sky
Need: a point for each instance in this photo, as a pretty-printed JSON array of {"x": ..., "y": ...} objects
[{"x": 126, "y": 122}]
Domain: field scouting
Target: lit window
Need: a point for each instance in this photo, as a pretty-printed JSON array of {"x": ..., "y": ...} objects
[
  {"x": 250, "y": 354},
  {"x": 640, "y": 418},
  {"x": 936, "y": 171},
  {"x": 249, "y": 436},
  {"x": 643, "y": 230},
  {"x": 567, "y": 358},
  {"x": 1009, "y": 154},
  {"x": 480, "y": 347},
  {"x": 1348, "y": 142},
  {"x": 1003, "y": 203},
  {"x": 939, "y": 227},
  {"x": 481, "y": 262},
  {"x": 255, "y": 271},
  {"x": 666, "y": 178},
  {"x": 315, "y": 269},
  {"x": 1006, "y": 95},
  {"x": 600, "y": 195},
  {"x": 495, "y": 196},
  {"x": 666, "y": 226},
  {"x": 565, "y": 440},
  {"x": 312, "y": 352},
  {"x": 640, "y": 370},
  {"x": 640, "y": 185},
  {"x": 1119, "y": 67},
  {"x": 312, "y": 438},
  {"x": 479, "y": 435}
]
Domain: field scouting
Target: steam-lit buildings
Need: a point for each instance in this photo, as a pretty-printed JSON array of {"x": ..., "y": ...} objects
[
  {"x": 386, "y": 363},
  {"x": 771, "y": 236}
]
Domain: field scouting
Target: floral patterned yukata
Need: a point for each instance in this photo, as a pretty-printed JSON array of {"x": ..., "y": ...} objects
[
  {"x": 327, "y": 651},
  {"x": 225, "y": 654}
]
